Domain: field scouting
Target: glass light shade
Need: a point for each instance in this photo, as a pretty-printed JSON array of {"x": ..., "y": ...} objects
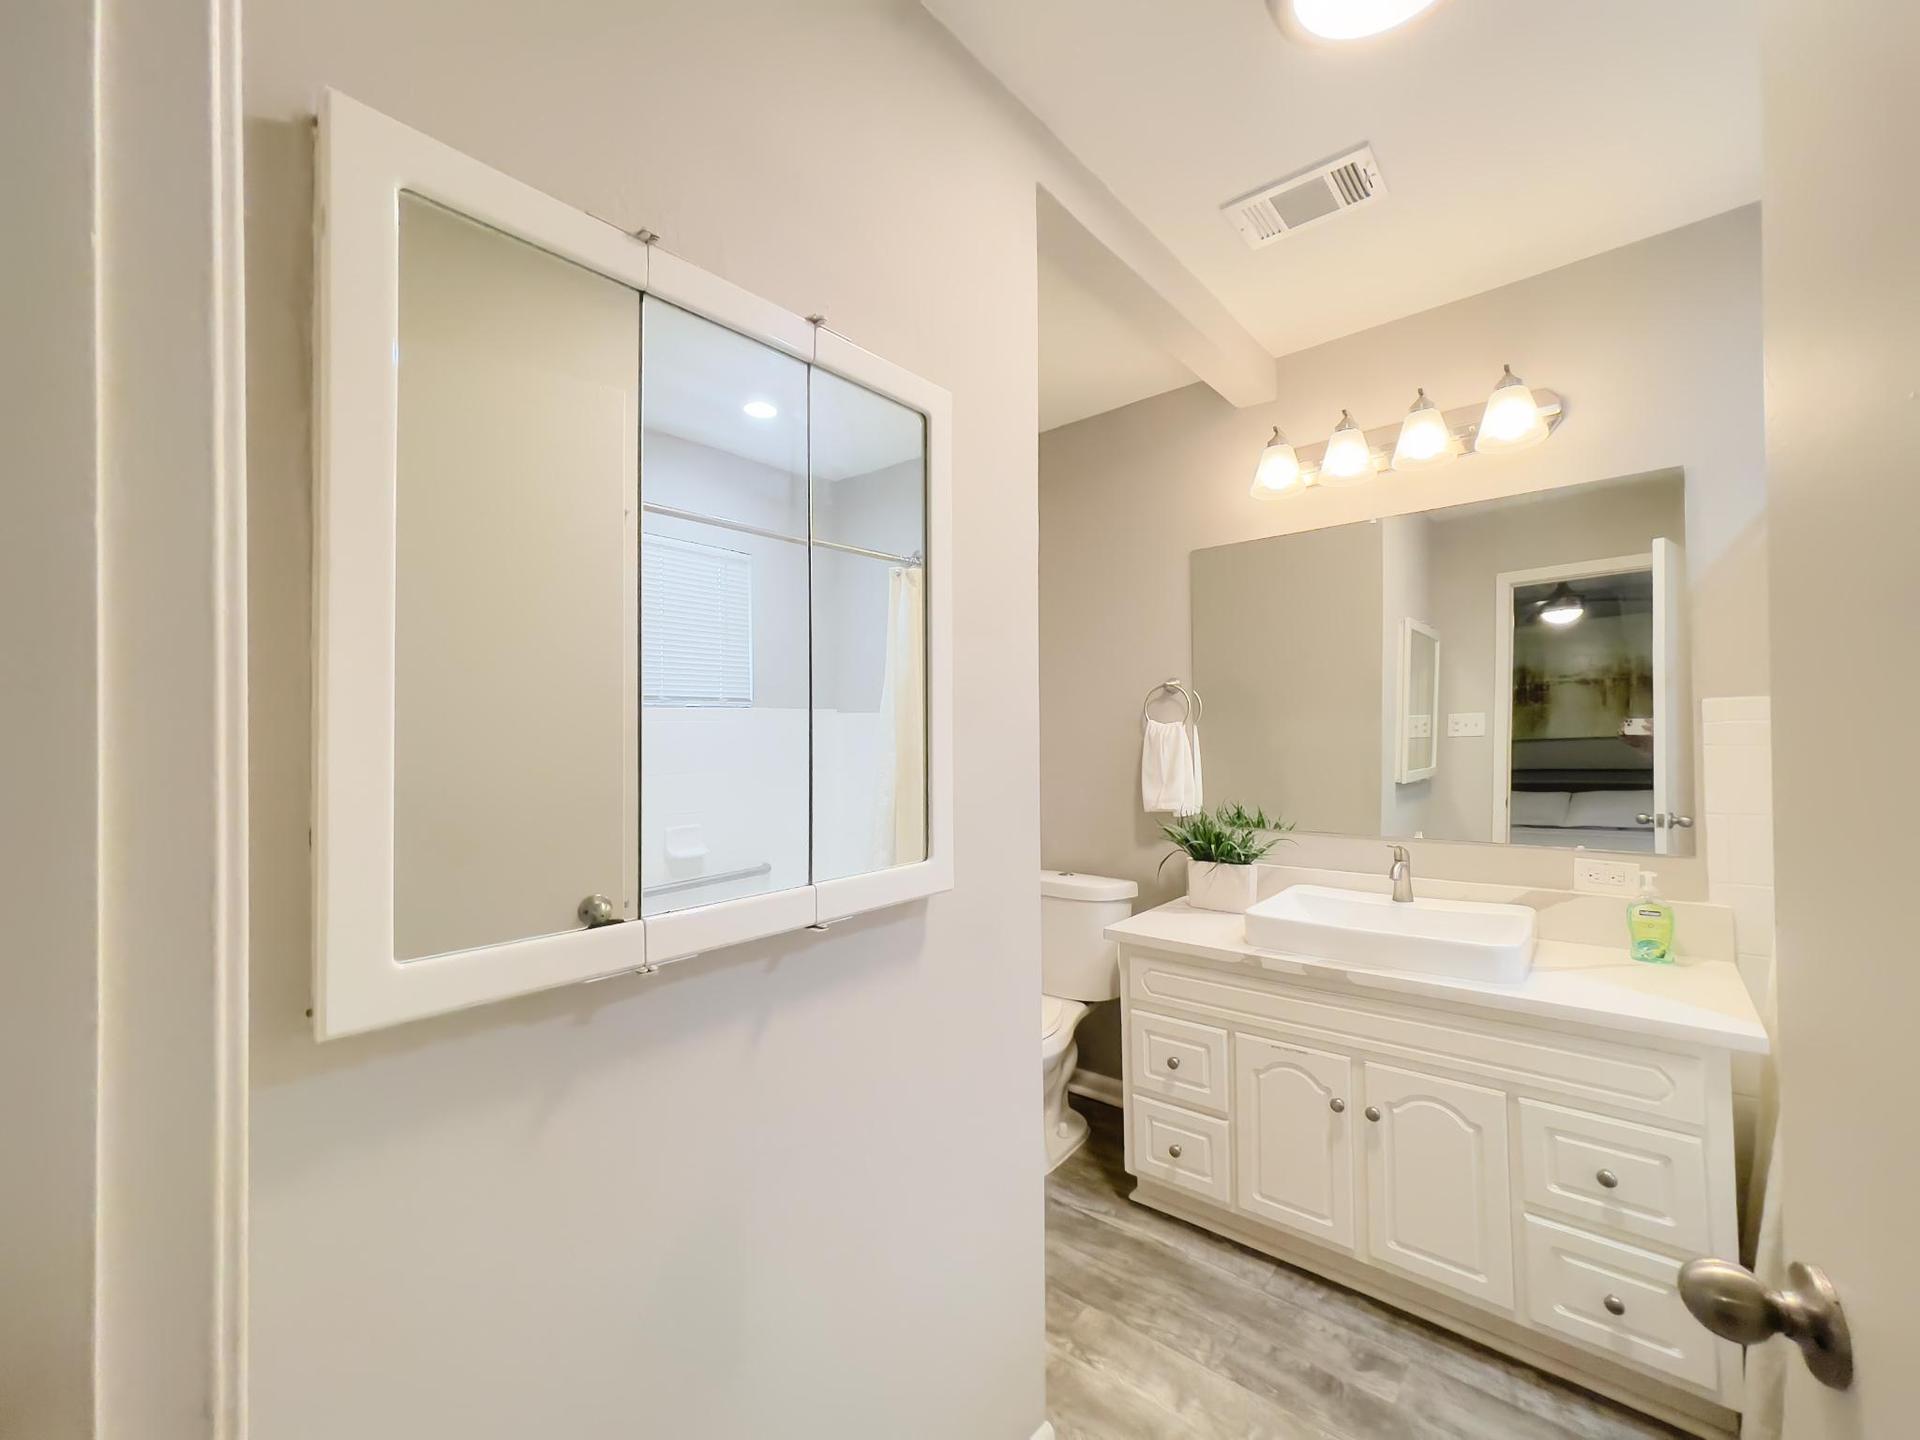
[
  {"x": 1424, "y": 437},
  {"x": 1351, "y": 19},
  {"x": 1347, "y": 457},
  {"x": 1512, "y": 420},
  {"x": 1279, "y": 468},
  {"x": 1563, "y": 607}
]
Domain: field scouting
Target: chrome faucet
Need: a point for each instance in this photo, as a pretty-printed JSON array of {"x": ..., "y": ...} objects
[{"x": 1402, "y": 876}]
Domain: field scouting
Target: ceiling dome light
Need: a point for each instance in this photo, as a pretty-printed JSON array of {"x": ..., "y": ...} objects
[
  {"x": 1279, "y": 469},
  {"x": 1562, "y": 607},
  {"x": 1348, "y": 457},
  {"x": 1425, "y": 439},
  {"x": 760, "y": 409},
  {"x": 1344, "y": 19},
  {"x": 1512, "y": 420}
]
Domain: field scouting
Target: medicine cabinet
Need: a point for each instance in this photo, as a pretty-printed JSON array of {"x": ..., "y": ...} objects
[{"x": 632, "y": 599}]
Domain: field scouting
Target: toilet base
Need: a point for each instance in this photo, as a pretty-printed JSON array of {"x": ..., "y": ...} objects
[{"x": 1065, "y": 1127}]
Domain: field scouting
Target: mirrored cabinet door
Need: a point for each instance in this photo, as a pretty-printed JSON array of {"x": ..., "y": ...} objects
[
  {"x": 868, "y": 487},
  {"x": 515, "y": 763},
  {"x": 723, "y": 607}
]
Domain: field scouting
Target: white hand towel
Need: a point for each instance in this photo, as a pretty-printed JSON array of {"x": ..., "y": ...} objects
[
  {"x": 1166, "y": 769},
  {"x": 1197, "y": 797}
]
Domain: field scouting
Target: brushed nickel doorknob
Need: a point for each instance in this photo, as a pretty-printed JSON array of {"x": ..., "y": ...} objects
[
  {"x": 1731, "y": 1301},
  {"x": 597, "y": 910}
]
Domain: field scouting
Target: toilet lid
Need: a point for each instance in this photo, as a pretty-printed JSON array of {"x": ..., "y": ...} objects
[{"x": 1051, "y": 1010}]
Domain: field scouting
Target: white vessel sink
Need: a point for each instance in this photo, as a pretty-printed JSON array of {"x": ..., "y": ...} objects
[{"x": 1464, "y": 939}]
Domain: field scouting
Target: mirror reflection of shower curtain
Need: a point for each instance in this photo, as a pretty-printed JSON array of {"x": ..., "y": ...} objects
[{"x": 902, "y": 817}]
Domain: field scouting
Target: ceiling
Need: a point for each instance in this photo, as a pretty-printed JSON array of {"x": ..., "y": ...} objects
[
  {"x": 701, "y": 376},
  {"x": 1514, "y": 136}
]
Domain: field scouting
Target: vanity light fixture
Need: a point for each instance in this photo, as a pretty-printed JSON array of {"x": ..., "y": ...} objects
[
  {"x": 760, "y": 409},
  {"x": 1279, "y": 470},
  {"x": 1349, "y": 457},
  {"x": 1425, "y": 437},
  {"x": 1336, "y": 20},
  {"x": 1562, "y": 607},
  {"x": 1512, "y": 419}
]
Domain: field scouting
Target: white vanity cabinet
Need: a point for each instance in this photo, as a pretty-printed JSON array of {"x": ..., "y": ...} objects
[{"x": 1527, "y": 1165}]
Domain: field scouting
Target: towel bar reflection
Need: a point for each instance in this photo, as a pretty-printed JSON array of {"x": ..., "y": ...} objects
[
  {"x": 1195, "y": 707},
  {"x": 694, "y": 882}
]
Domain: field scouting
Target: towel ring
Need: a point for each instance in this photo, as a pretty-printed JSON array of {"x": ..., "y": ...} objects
[{"x": 1195, "y": 707}]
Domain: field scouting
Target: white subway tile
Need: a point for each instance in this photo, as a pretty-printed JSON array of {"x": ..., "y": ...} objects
[
  {"x": 1752, "y": 907},
  {"x": 1739, "y": 780},
  {"x": 1737, "y": 732},
  {"x": 1736, "y": 707}
]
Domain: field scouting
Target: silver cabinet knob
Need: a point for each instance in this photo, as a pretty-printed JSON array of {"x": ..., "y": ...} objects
[
  {"x": 597, "y": 910},
  {"x": 1615, "y": 1305},
  {"x": 1173, "y": 1062},
  {"x": 1608, "y": 1180},
  {"x": 1173, "y": 1151},
  {"x": 1337, "y": 1105},
  {"x": 1372, "y": 1112},
  {"x": 1731, "y": 1302}
]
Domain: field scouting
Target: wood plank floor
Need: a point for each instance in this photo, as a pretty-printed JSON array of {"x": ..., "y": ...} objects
[{"x": 1157, "y": 1330}]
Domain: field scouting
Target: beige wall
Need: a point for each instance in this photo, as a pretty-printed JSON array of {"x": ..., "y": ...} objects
[
  {"x": 1656, "y": 348},
  {"x": 792, "y": 1189},
  {"x": 49, "y": 790}
]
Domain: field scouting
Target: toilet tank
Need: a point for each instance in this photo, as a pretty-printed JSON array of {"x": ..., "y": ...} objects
[{"x": 1077, "y": 961}]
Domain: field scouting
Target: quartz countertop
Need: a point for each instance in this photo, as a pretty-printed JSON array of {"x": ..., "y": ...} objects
[{"x": 1701, "y": 1002}]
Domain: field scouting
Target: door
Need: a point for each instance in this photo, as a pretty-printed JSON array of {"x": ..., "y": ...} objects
[
  {"x": 1438, "y": 1206},
  {"x": 1841, "y": 308},
  {"x": 1672, "y": 710},
  {"x": 1295, "y": 1137}
]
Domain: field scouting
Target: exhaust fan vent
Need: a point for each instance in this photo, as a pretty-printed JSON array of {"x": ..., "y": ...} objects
[{"x": 1277, "y": 211}]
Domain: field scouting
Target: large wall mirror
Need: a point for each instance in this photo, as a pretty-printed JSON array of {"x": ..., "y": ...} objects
[
  {"x": 1513, "y": 671},
  {"x": 632, "y": 590}
]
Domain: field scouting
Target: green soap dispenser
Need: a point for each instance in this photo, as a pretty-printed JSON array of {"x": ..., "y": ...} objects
[{"x": 1650, "y": 925}]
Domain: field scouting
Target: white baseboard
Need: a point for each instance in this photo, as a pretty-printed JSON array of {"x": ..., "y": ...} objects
[{"x": 1092, "y": 1085}]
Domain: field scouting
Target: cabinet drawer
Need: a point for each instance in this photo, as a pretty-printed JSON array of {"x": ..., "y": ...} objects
[
  {"x": 1576, "y": 1283},
  {"x": 1613, "y": 1174},
  {"x": 1179, "y": 1147},
  {"x": 1179, "y": 1060}
]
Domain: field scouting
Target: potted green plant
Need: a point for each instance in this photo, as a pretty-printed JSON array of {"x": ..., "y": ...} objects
[{"x": 1221, "y": 849}]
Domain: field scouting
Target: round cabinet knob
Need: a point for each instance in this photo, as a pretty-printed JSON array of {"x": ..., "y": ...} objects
[
  {"x": 1615, "y": 1305},
  {"x": 1372, "y": 1112},
  {"x": 597, "y": 910},
  {"x": 1608, "y": 1180},
  {"x": 1337, "y": 1105},
  {"x": 1173, "y": 1062},
  {"x": 1173, "y": 1151}
]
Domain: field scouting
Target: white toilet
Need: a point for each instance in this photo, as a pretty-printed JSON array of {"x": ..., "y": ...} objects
[{"x": 1077, "y": 967}]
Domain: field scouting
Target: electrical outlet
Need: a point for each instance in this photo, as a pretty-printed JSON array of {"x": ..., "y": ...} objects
[
  {"x": 1605, "y": 877},
  {"x": 1474, "y": 723}
]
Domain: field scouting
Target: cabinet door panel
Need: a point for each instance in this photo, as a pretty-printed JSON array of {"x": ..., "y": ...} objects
[
  {"x": 1438, "y": 1204},
  {"x": 1295, "y": 1148}
]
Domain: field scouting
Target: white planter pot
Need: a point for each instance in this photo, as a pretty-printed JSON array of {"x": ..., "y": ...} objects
[{"x": 1212, "y": 886}]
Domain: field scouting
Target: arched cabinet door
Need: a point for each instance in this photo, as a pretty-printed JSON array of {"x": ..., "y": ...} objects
[
  {"x": 1438, "y": 1203},
  {"x": 1295, "y": 1120}
]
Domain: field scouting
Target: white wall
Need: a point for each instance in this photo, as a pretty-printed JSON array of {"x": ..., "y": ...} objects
[
  {"x": 789, "y": 1190},
  {"x": 49, "y": 788},
  {"x": 1656, "y": 347}
]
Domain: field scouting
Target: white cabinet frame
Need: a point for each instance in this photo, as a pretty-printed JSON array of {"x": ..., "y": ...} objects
[{"x": 364, "y": 162}]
